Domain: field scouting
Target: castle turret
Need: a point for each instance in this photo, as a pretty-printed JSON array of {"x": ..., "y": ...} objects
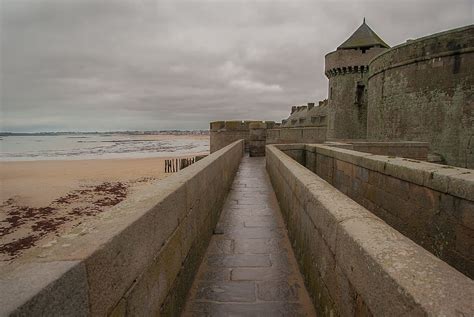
[{"x": 347, "y": 70}]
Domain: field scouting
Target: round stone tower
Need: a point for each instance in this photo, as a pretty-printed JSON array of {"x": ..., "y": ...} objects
[{"x": 347, "y": 71}]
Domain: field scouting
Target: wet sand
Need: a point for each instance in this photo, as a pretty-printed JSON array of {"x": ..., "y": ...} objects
[{"x": 43, "y": 199}]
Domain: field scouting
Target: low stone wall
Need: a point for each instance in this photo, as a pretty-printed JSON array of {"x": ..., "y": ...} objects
[
  {"x": 296, "y": 135},
  {"x": 431, "y": 204},
  {"x": 353, "y": 262},
  {"x": 406, "y": 149},
  {"x": 138, "y": 259}
]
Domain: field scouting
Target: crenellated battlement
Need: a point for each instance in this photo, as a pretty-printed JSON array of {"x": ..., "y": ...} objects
[
  {"x": 343, "y": 62},
  {"x": 346, "y": 70}
]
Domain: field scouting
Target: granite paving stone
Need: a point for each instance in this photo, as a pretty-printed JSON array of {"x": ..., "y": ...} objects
[
  {"x": 239, "y": 260},
  {"x": 249, "y": 268},
  {"x": 278, "y": 291},
  {"x": 224, "y": 291},
  {"x": 259, "y": 309},
  {"x": 259, "y": 274}
]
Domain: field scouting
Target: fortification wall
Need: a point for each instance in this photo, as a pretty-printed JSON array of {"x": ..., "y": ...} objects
[
  {"x": 423, "y": 90},
  {"x": 347, "y": 71},
  {"x": 405, "y": 149},
  {"x": 429, "y": 203},
  {"x": 354, "y": 263},
  {"x": 296, "y": 135},
  {"x": 139, "y": 259},
  {"x": 347, "y": 116},
  {"x": 346, "y": 61},
  {"x": 223, "y": 133}
]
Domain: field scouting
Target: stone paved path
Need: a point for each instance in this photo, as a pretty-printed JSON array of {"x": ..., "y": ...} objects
[{"x": 249, "y": 268}]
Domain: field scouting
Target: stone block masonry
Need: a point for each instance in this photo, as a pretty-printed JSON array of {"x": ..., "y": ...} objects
[
  {"x": 249, "y": 268},
  {"x": 423, "y": 90},
  {"x": 258, "y": 136},
  {"x": 223, "y": 133},
  {"x": 353, "y": 262},
  {"x": 296, "y": 135},
  {"x": 406, "y": 149},
  {"x": 429, "y": 203},
  {"x": 138, "y": 259}
]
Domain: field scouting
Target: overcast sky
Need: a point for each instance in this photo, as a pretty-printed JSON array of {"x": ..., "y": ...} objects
[{"x": 150, "y": 65}]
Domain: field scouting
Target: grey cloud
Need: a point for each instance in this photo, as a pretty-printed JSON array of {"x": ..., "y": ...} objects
[{"x": 126, "y": 64}]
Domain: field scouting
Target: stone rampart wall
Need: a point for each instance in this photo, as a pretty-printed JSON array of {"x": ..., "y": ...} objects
[
  {"x": 423, "y": 90},
  {"x": 412, "y": 150},
  {"x": 296, "y": 135},
  {"x": 139, "y": 259},
  {"x": 354, "y": 263},
  {"x": 223, "y": 133},
  {"x": 226, "y": 132},
  {"x": 431, "y": 204}
]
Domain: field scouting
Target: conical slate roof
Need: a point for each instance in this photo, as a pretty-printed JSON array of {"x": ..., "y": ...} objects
[{"x": 363, "y": 37}]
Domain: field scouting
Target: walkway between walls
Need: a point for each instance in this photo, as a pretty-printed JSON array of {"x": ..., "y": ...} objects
[{"x": 249, "y": 268}]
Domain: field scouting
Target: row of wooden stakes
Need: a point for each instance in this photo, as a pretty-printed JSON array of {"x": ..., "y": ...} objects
[{"x": 176, "y": 164}]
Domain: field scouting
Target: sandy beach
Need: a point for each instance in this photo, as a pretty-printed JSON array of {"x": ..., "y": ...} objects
[{"x": 43, "y": 199}]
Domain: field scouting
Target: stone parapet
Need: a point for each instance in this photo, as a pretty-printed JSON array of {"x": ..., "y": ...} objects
[
  {"x": 138, "y": 258},
  {"x": 223, "y": 133},
  {"x": 429, "y": 48},
  {"x": 405, "y": 149},
  {"x": 296, "y": 135},
  {"x": 342, "y": 62},
  {"x": 429, "y": 203},
  {"x": 353, "y": 262}
]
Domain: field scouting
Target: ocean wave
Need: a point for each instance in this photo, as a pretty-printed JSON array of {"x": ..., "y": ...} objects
[{"x": 62, "y": 148}]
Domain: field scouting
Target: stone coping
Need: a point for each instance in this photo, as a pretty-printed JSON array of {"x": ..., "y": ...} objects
[
  {"x": 236, "y": 125},
  {"x": 391, "y": 143},
  {"x": 298, "y": 128},
  {"x": 392, "y": 274},
  {"x": 452, "y": 180},
  {"x": 90, "y": 268},
  {"x": 438, "y": 44}
]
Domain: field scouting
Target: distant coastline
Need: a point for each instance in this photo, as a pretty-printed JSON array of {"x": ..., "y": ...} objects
[
  {"x": 136, "y": 132},
  {"x": 101, "y": 145}
]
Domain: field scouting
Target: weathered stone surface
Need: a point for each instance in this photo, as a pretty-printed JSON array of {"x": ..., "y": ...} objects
[
  {"x": 256, "y": 246},
  {"x": 233, "y": 291},
  {"x": 282, "y": 309},
  {"x": 47, "y": 289},
  {"x": 221, "y": 246},
  {"x": 156, "y": 281},
  {"x": 392, "y": 260},
  {"x": 259, "y": 274},
  {"x": 260, "y": 255},
  {"x": 278, "y": 291},
  {"x": 370, "y": 268},
  {"x": 239, "y": 260},
  {"x": 419, "y": 199},
  {"x": 439, "y": 83}
]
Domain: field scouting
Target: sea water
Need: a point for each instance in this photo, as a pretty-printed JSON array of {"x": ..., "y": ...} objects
[{"x": 97, "y": 146}]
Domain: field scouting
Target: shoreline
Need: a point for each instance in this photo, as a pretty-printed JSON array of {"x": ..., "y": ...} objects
[
  {"x": 117, "y": 146},
  {"x": 167, "y": 156},
  {"x": 41, "y": 200}
]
